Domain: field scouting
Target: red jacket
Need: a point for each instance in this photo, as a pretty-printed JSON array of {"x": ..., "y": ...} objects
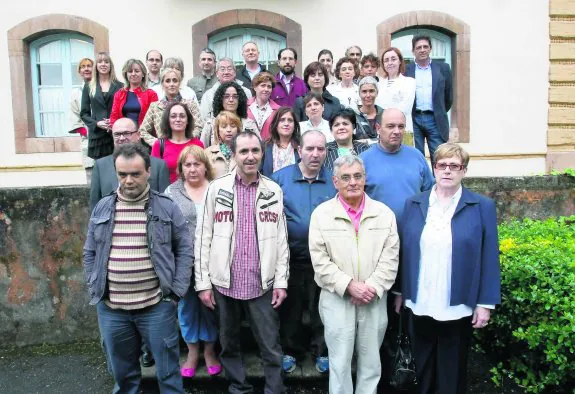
[
  {"x": 145, "y": 97},
  {"x": 265, "y": 131}
]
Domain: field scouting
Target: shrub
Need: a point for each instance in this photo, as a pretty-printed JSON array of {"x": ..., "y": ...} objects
[{"x": 533, "y": 331}]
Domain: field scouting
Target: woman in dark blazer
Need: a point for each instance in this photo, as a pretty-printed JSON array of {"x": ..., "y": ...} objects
[
  {"x": 342, "y": 125},
  {"x": 281, "y": 149},
  {"x": 449, "y": 272},
  {"x": 316, "y": 78},
  {"x": 97, "y": 100}
]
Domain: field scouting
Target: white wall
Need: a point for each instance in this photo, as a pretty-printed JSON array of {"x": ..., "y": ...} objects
[{"x": 509, "y": 61}]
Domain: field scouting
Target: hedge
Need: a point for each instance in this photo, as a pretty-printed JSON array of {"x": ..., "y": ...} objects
[{"x": 532, "y": 333}]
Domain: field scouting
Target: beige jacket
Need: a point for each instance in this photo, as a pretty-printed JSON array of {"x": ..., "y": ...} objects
[
  {"x": 338, "y": 255},
  {"x": 219, "y": 162},
  {"x": 216, "y": 237}
]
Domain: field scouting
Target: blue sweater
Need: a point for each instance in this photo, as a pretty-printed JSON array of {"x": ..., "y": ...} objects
[
  {"x": 394, "y": 177},
  {"x": 300, "y": 199}
]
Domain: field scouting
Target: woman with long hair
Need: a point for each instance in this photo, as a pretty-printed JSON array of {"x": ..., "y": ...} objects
[
  {"x": 97, "y": 102},
  {"x": 285, "y": 138}
]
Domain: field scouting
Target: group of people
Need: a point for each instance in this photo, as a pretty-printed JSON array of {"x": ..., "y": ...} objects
[{"x": 275, "y": 197}]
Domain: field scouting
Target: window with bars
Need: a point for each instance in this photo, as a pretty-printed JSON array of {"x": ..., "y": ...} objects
[
  {"x": 54, "y": 63},
  {"x": 228, "y": 43}
]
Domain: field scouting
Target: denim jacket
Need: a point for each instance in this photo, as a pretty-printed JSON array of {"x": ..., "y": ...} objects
[{"x": 169, "y": 243}]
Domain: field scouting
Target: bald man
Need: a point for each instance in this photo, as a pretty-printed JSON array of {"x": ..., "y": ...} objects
[{"x": 104, "y": 179}]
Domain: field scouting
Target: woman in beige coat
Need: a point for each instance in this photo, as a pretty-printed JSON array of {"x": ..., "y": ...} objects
[{"x": 226, "y": 126}]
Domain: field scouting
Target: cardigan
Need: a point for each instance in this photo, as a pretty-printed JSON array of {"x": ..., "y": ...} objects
[
  {"x": 145, "y": 97},
  {"x": 267, "y": 166}
]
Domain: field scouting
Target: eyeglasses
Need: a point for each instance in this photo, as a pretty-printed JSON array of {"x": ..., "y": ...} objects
[
  {"x": 347, "y": 178},
  {"x": 125, "y": 134},
  {"x": 178, "y": 116},
  {"x": 452, "y": 167},
  {"x": 231, "y": 97},
  {"x": 226, "y": 69}
]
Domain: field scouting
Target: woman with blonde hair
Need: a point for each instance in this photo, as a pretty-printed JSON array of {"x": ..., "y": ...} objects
[
  {"x": 226, "y": 126},
  {"x": 97, "y": 102},
  {"x": 85, "y": 67},
  {"x": 170, "y": 83},
  {"x": 197, "y": 323},
  {"x": 186, "y": 92},
  {"x": 134, "y": 99}
]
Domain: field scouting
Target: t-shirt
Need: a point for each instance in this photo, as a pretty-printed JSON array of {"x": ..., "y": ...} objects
[
  {"x": 391, "y": 178},
  {"x": 132, "y": 107},
  {"x": 172, "y": 153}
]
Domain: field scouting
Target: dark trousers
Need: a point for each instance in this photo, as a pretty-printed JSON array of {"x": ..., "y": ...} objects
[
  {"x": 123, "y": 333},
  {"x": 303, "y": 294},
  {"x": 424, "y": 127},
  {"x": 440, "y": 349},
  {"x": 264, "y": 322}
]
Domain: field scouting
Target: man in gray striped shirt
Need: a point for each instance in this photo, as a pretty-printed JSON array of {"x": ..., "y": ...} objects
[{"x": 138, "y": 257}]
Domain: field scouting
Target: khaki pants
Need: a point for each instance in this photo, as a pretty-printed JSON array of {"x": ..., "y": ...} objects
[{"x": 348, "y": 326}]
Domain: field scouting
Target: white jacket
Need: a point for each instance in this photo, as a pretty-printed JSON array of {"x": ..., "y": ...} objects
[
  {"x": 400, "y": 95},
  {"x": 216, "y": 237}
]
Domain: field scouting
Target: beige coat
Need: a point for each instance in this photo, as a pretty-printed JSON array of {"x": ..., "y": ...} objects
[
  {"x": 216, "y": 237},
  {"x": 338, "y": 255},
  {"x": 219, "y": 162}
]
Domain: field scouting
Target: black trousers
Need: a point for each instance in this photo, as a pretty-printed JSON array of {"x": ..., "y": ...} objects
[
  {"x": 264, "y": 323},
  {"x": 303, "y": 295},
  {"x": 440, "y": 349}
]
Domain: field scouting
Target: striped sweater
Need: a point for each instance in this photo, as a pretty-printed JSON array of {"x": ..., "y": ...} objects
[{"x": 132, "y": 280}]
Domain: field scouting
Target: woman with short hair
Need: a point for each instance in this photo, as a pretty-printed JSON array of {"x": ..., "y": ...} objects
[
  {"x": 77, "y": 126},
  {"x": 134, "y": 99},
  {"x": 261, "y": 108},
  {"x": 314, "y": 109},
  {"x": 171, "y": 84},
  {"x": 342, "y": 125},
  {"x": 346, "y": 91},
  {"x": 226, "y": 127},
  {"x": 368, "y": 114},
  {"x": 97, "y": 103},
  {"x": 186, "y": 92},
  {"x": 316, "y": 78},
  {"x": 281, "y": 150}
]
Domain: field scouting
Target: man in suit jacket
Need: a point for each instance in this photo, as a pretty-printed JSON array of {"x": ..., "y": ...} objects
[
  {"x": 433, "y": 97},
  {"x": 104, "y": 179},
  {"x": 252, "y": 67}
]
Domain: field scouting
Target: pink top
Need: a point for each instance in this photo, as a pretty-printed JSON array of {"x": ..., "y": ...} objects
[
  {"x": 172, "y": 153},
  {"x": 354, "y": 215},
  {"x": 246, "y": 282}
]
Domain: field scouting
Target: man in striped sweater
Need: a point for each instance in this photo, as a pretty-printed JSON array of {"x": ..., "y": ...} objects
[{"x": 138, "y": 258}]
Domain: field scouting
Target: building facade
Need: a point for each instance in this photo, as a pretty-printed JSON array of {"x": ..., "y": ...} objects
[{"x": 513, "y": 64}]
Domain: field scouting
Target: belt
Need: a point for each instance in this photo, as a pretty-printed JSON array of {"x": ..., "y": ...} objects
[{"x": 419, "y": 111}]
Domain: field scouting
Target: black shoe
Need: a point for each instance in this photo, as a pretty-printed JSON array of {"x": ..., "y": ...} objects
[{"x": 147, "y": 360}]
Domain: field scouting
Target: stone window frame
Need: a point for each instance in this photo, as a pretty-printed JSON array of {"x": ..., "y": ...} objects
[
  {"x": 19, "y": 39},
  {"x": 254, "y": 18},
  {"x": 460, "y": 55}
]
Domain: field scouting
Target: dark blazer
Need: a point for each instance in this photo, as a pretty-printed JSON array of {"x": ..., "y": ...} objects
[
  {"x": 330, "y": 107},
  {"x": 96, "y": 108},
  {"x": 244, "y": 76},
  {"x": 105, "y": 181},
  {"x": 267, "y": 167},
  {"x": 475, "y": 272},
  {"x": 331, "y": 155},
  {"x": 441, "y": 91}
]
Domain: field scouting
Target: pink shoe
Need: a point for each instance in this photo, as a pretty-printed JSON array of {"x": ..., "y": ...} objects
[
  {"x": 188, "y": 372},
  {"x": 214, "y": 370}
]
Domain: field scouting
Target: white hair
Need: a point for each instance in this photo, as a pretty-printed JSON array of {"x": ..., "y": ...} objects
[{"x": 347, "y": 160}]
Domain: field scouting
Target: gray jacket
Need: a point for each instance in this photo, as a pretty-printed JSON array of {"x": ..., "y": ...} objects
[{"x": 169, "y": 243}]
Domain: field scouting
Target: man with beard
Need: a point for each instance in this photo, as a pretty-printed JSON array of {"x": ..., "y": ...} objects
[
  {"x": 289, "y": 87},
  {"x": 202, "y": 83}
]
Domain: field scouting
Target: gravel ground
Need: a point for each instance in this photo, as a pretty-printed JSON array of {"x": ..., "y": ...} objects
[{"x": 81, "y": 368}]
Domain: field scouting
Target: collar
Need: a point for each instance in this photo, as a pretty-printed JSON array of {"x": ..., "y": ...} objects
[
  {"x": 349, "y": 208},
  {"x": 239, "y": 181},
  {"x": 423, "y": 68},
  {"x": 298, "y": 175},
  {"x": 285, "y": 78},
  {"x": 143, "y": 196},
  {"x": 434, "y": 199},
  {"x": 467, "y": 198},
  {"x": 208, "y": 76},
  {"x": 154, "y": 81}
]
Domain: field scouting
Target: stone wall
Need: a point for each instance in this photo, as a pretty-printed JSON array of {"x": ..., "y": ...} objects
[{"x": 42, "y": 293}]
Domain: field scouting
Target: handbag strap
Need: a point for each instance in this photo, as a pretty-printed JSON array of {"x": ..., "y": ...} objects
[
  {"x": 401, "y": 327},
  {"x": 161, "y": 148}
]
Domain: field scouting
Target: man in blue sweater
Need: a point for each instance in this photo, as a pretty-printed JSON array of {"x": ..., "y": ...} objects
[
  {"x": 305, "y": 186},
  {"x": 394, "y": 171}
]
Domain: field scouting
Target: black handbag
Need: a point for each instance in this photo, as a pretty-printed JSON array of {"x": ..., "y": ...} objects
[{"x": 403, "y": 375}]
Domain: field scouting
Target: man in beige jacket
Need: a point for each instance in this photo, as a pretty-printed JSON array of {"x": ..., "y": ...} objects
[{"x": 354, "y": 250}]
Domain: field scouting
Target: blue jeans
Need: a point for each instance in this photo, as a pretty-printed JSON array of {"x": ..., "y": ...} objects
[
  {"x": 197, "y": 322},
  {"x": 122, "y": 334},
  {"x": 424, "y": 127}
]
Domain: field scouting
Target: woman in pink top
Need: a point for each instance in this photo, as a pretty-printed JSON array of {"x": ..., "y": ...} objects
[
  {"x": 260, "y": 108},
  {"x": 177, "y": 127}
]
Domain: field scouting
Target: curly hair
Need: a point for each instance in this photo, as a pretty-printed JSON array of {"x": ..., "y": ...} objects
[
  {"x": 218, "y": 104},
  {"x": 165, "y": 124},
  {"x": 370, "y": 58},
  {"x": 275, "y": 135},
  {"x": 346, "y": 60}
]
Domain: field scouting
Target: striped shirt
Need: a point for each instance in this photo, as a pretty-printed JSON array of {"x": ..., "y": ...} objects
[
  {"x": 245, "y": 280},
  {"x": 132, "y": 280}
]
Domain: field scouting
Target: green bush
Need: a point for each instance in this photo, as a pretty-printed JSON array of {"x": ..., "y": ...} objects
[{"x": 532, "y": 333}]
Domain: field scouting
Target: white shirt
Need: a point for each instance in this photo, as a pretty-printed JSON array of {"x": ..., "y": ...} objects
[
  {"x": 323, "y": 127},
  {"x": 434, "y": 282},
  {"x": 348, "y": 97},
  {"x": 397, "y": 93},
  {"x": 186, "y": 92},
  {"x": 261, "y": 113}
]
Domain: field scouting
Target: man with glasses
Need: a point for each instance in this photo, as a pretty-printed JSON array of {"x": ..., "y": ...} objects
[
  {"x": 225, "y": 72},
  {"x": 104, "y": 179},
  {"x": 154, "y": 61},
  {"x": 202, "y": 83},
  {"x": 354, "y": 249}
]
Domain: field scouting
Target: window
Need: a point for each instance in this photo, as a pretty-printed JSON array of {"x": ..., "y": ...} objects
[
  {"x": 54, "y": 61},
  {"x": 440, "y": 44},
  {"x": 229, "y": 44}
]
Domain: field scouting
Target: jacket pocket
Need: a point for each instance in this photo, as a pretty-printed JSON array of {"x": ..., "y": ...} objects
[
  {"x": 100, "y": 227},
  {"x": 163, "y": 230}
]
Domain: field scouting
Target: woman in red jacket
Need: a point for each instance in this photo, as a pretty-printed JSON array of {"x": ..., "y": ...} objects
[{"x": 133, "y": 100}]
